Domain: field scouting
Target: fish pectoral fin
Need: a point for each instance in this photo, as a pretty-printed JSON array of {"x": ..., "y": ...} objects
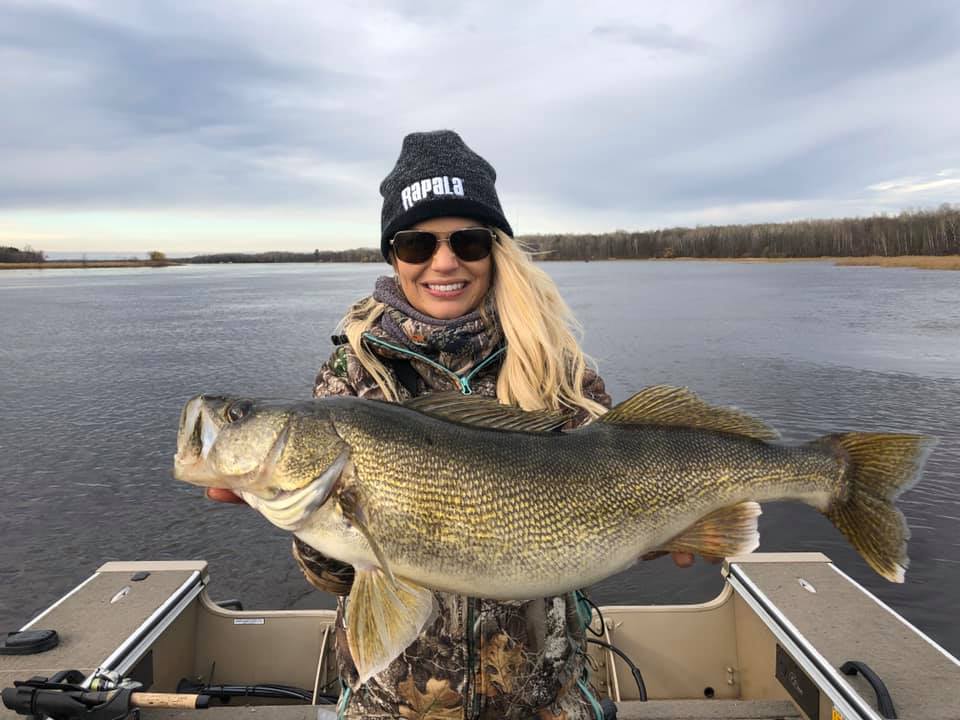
[
  {"x": 487, "y": 412},
  {"x": 352, "y": 510},
  {"x": 679, "y": 407},
  {"x": 725, "y": 532},
  {"x": 384, "y": 618}
]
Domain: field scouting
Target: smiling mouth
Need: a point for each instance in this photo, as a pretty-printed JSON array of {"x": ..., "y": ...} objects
[{"x": 445, "y": 289}]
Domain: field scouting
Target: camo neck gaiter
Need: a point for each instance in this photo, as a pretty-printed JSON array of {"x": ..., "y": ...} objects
[{"x": 457, "y": 343}]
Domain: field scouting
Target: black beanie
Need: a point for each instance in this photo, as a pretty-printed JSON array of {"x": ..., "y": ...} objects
[{"x": 437, "y": 175}]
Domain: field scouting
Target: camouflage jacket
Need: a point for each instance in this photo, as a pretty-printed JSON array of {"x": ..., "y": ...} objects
[{"x": 479, "y": 658}]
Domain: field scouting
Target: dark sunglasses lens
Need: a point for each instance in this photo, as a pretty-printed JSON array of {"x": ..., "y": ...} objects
[
  {"x": 471, "y": 244},
  {"x": 413, "y": 246}
]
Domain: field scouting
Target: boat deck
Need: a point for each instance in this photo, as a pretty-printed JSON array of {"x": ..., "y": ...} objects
[
  {"x": 842, "y": 622},
  {"x": 90, "y": 626}
]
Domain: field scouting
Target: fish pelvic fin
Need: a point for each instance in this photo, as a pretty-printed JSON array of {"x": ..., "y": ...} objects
[
  {"x": 383, "y": 618},
  {"x": 725, "y": 532},
  {"x": 679, "y": 407},
  {"x": 879, "y": 467}
]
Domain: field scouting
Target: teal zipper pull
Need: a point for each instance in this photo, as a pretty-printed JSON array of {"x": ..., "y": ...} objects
[{"x": 465, "y": 386}]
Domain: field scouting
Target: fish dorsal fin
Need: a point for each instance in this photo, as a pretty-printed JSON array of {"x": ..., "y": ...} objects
[
  {"x": 384, "y": 616},
  {"x": 486, "y": 412},
  {"x": 678, "y": 407}
]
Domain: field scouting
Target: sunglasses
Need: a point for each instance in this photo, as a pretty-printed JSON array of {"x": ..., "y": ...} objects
[{"x": 418, "y": 246}]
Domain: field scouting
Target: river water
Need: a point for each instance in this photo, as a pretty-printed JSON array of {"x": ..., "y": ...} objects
[{"x": 97, "y": 364}]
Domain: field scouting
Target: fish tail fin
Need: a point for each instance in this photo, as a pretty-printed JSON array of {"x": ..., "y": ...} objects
[{"x": 880, "y": 466}]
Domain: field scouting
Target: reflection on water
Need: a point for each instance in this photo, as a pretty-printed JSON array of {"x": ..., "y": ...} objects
[{"x": 99, "y": 362}]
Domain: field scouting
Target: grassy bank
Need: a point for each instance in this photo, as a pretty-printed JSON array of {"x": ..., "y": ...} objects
[
  {"x": 924, "y": 262},
  {"x": 72, "y": 264}
]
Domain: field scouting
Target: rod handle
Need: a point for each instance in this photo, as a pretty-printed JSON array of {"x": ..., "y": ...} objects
[{"x": 169, "y": 700}]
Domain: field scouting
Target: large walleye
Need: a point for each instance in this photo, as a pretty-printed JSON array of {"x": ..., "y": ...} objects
[{"x": 469, "y": 496}]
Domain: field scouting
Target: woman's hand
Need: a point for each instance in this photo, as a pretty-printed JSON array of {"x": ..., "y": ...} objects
[
  {"x": 225, "y": 496},
  {"x": 680, "y": 559}
]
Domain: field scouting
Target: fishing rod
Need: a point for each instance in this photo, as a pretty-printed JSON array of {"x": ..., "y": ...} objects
[{"x": 61, "y": 697}]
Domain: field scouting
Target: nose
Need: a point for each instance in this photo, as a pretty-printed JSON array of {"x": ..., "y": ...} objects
[{"x": 444, "y": 259}]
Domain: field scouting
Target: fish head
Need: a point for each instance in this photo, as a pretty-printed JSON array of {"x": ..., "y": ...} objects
[{"x": 282, "y": 458}]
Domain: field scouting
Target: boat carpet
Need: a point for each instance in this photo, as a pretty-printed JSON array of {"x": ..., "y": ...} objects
[
  {"x": 844, "y": 623},
  {"x": 90, "y": 627}
]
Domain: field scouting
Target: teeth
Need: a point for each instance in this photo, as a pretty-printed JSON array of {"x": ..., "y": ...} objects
[{"x": 447, "y": 288}]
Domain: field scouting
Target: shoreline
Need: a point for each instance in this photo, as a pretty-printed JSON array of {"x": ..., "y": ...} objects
[
  {"x": 921, "y": 262},
  {"x": 77, "y": 264}
]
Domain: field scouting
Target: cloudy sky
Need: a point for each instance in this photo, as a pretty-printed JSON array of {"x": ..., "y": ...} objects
[{"x": 193, "y": 126}]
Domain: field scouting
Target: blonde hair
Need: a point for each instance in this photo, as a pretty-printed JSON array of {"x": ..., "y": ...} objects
[{"x": 543, "y": 366}]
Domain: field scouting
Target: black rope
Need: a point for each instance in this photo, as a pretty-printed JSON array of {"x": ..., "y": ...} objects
[
  {"x": 266, "y": 690},
  {"x": 638, "y": 678},
  {"x": 596, "y": 609}
]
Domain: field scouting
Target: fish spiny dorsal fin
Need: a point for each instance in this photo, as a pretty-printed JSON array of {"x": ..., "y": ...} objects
[
  {"x": 678, "y": 407},
  {"x": 486, "y": 412}
]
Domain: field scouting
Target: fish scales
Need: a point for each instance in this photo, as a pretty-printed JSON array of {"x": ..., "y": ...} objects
[{"x": 520, "y": 508}]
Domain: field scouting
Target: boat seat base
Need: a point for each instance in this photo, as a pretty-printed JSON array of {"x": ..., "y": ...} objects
[{"x": 627, "y": 710}]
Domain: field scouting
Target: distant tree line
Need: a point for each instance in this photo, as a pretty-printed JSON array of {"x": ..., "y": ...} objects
[
  {"x": 319, "y": 256},
  {"x": 923, "y": 232},
  {"x": 14, "y": 255}
]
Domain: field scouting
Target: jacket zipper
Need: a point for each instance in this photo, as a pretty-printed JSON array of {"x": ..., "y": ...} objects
[{"x": 462, "y": 382}]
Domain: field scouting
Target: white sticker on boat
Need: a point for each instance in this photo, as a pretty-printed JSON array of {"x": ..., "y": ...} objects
[{"x": 248, "y": 621}]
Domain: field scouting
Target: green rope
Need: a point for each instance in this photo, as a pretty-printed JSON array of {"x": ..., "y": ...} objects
[
  {"x": 584, "y": 610},
  {"x": 343, "y": 702},
  {"x": 597, "y": 710}
]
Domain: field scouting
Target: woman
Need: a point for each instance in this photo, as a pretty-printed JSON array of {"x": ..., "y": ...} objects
[{"x": 466, "y": 309}]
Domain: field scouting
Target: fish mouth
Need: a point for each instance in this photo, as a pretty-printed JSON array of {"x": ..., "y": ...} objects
[
  {"x": 196, "y": 462},
  {"x": 198, "y": 432},
  {"x": 290, "y": 509}
]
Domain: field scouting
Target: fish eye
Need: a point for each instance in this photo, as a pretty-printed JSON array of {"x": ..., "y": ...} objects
[{"x": 238, "y": 410}]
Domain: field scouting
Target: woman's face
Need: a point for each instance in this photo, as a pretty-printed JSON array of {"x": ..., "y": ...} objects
[{"x": 445, "y": 287}]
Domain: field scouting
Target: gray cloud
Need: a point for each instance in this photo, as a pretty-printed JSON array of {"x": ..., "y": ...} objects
[
  {"x": 163, "y": 113},
  {"x": 799, "y": 117},
  {"x": 844, "y": 41},
  {"x": 240, "y": 106},
  {"x": 654, "y": 37}
]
